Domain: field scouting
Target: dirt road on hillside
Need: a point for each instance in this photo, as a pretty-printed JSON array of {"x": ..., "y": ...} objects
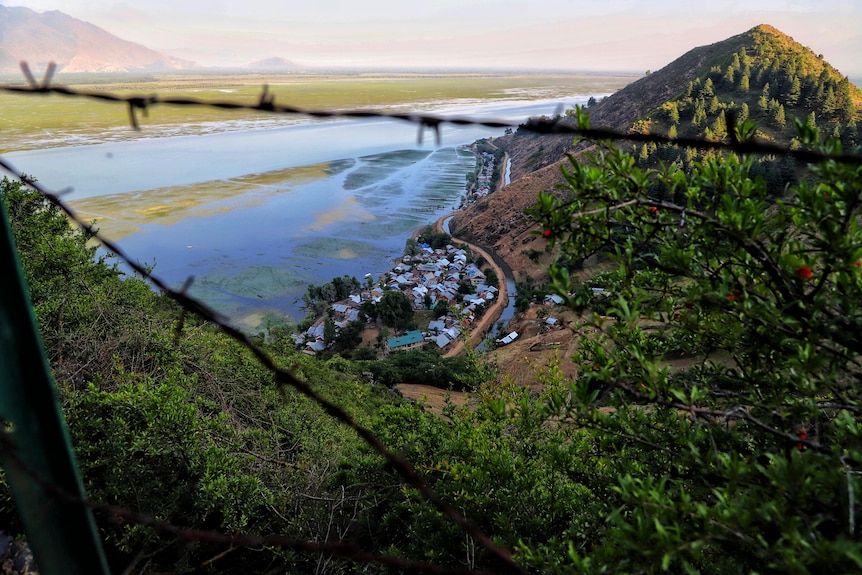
[{"x": 478, "y": 331}]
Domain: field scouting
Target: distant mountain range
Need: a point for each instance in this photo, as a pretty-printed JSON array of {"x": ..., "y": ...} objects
[
  {"x": 273, "y": 65},
  {"x": 74, "y": 45}
]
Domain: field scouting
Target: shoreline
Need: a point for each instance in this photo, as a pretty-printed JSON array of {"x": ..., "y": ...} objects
[
  {"x": 495, "y": 310},
  {"x": 476, "y": 333}
]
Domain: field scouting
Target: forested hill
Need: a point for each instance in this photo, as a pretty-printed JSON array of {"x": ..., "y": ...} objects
[{"x": 761, "y": 74}]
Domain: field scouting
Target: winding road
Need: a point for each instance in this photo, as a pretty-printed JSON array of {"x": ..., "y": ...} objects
[{"x": 503, "y": 306}]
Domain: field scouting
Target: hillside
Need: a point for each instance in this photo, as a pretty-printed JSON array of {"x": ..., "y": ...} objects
[
  {"x": 697, "y": 411},
  {"x": 762, "y": 74},
  {"x": 74, "y": 45}
]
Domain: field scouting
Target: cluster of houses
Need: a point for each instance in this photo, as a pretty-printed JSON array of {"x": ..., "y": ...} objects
[
  {"x": 429, "y": 279},
  {"x": 483, "y": 179}
]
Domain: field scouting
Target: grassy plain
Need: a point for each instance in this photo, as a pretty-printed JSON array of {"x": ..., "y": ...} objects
[{"x": 29, "y": 121}]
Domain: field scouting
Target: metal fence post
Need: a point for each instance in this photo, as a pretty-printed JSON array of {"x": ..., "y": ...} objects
[{"x": 60, "y": 530}]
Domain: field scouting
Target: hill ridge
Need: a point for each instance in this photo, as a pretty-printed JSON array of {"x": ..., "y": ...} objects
[
  {"x": 74, "y": 45},
  {"x": 691, "y": 94}
]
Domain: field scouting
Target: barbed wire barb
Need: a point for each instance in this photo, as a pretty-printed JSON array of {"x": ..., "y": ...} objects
[{"x": 28, "y": 75}]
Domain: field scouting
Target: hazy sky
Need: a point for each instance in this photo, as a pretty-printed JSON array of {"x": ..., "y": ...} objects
[{"x": 631, "y": 35}]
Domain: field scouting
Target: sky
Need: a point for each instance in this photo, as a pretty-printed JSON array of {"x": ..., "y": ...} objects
[{"x": 589, "y": 35}]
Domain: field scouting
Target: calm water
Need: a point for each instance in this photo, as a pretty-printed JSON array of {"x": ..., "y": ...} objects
[{"x": 257, "y": 215}]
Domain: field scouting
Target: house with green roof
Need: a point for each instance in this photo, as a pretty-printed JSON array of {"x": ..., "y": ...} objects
[{"x": 410, "y": 340}]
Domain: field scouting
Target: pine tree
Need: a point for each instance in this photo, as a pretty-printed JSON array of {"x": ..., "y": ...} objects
[
  {"x": 830, "y": 101},
  {"x": 674, "y": 113},
  {"x": 689, "y": 91},
  {"x": 707, "y": 91},
  {"x": 714, "y": 105},
  {"x": 719, "y": 127},
  {"x": 699, "y": 113},
  {"x": 795, "y": 91},
  {"x": 779, "y": 116},
  {"x": 729, "y": 77},
  {"x": 763, "y": 101}
]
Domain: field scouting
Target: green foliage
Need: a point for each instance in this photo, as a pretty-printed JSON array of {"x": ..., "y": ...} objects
[
  {"x": 422, "y": 366},
  {"x": 491, "y": 278},
  {"x": 395, "y": 310},
  {"x": 350, "y": 335},
  {"x": 337, "y": 289},
  {"x": 527, "y": 292},
  {"x": 765, "y": 77},
  {"x": 152, "y": 447},
  {"x": 411, "y": 247},
  {"x": 437, "y": 240},
  {"x": 172, "y": 419},
  {"x": 84, "y": 305},
  {"x": 501, "y": 464},
  {"x": 747, "y": 460}
]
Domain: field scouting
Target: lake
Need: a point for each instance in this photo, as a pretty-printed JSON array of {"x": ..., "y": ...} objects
[{"x": 255, "y": 215}]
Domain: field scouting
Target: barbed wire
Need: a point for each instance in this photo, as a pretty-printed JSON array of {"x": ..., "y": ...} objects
[
  {"x": 282, "y": 376},
  {"x": 555, "y": 125},
  {"x": 266, "y": 103},
  {"x": 181, "y": 297}
]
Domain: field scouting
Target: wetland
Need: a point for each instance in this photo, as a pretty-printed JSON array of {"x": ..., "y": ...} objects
[{"x": 255, "y": 207}]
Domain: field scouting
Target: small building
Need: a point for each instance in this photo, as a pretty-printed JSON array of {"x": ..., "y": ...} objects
[
  {"x": 314, "y": 347},
  {"x": 410, "y": 340},
  {"x": 508, "y": 339},
  {"x": 553, "y": 299},
  {"x": 442, "y": 340}
]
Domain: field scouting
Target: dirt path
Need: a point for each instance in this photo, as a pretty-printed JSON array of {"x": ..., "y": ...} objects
[
  {"x": 433, "y": 398},
  {"x": 478, "y": 331}
]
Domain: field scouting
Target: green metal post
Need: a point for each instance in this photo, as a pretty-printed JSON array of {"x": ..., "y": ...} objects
[{"x": 61, "y": 531}]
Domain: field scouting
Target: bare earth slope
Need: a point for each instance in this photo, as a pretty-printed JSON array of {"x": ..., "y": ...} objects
[{"x": 498, "y": 220}]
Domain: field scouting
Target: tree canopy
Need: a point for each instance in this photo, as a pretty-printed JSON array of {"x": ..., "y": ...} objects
[{"x": 395, "y": 310}]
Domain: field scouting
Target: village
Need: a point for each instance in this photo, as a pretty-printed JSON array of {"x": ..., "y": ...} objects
[{"x": 434, "y": 279}]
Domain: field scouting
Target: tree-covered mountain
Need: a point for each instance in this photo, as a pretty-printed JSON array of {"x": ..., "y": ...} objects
[
  {"x": 769, "y": 79},
  {"x": 762, "y": 74}
]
